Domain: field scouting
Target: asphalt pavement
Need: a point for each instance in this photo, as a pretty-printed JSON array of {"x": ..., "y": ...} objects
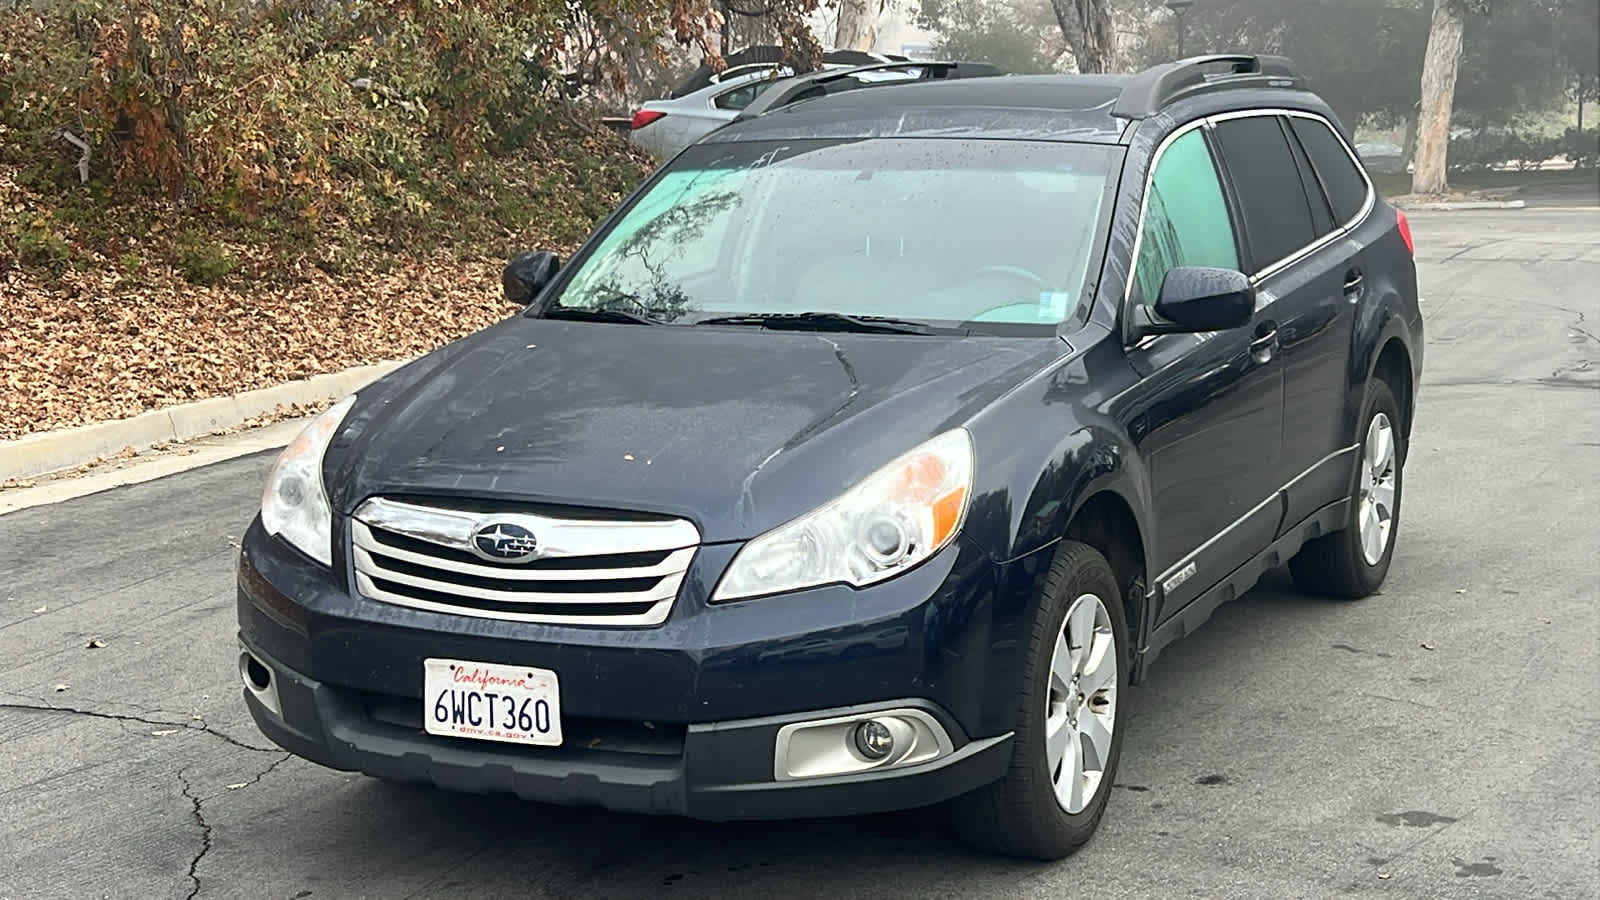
[{"x": 1439, "y": 740}]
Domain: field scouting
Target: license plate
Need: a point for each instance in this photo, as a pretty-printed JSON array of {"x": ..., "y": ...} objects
[{"x": 491, "y": 702}]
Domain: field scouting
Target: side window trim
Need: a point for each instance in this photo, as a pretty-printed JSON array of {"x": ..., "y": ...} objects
[
  {"x": 1340, "y": 229},
  {"x": 1372, "y": 194},
  {"x": 1204, "y": 125}
]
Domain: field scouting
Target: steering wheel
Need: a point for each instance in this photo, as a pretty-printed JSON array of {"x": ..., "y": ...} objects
[
  {"x": 1028, "y": 275},
  {"x": 1016, "y": 272}
]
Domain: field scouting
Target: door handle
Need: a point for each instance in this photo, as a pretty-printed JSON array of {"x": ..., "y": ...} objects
[
  {"x": 1353, "y": 283},
  {"x": 1264, "y": 342}
]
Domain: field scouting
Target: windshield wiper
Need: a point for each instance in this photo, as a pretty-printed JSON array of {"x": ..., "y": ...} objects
[
  {"x": 822, "y": 321},
  {"x": 585, "y": 314}
]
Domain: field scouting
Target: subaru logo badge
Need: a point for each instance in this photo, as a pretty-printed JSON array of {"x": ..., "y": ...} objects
[{"x": 504, "y": 542}]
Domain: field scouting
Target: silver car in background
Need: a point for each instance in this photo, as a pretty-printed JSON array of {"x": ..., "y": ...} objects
[{"x": 663, "y": 127}]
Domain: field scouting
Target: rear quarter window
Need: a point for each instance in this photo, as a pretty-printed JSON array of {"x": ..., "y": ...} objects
[
  {"x": 1341, "y": 178},
  {"x": 740, "y": 97}
]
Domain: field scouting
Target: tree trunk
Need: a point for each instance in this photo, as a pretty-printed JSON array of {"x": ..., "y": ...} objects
[
  {"x": 1582, "y": 83},
  {"x": 858, "y": 25},
  {"x": 1408, "y": 144},
  {"x": 1086, "y": 25},
  {"x": 1440, "y": 64}
]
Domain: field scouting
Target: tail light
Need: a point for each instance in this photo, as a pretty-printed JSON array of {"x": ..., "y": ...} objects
[
  {"x": 644, "y": 117},
  {"x": 1405, "y": 232}
]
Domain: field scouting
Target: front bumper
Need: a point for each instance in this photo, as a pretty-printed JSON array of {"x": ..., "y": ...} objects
[
  {"x": 682, "y": 718},
  {"x": 716, "y": 771}
]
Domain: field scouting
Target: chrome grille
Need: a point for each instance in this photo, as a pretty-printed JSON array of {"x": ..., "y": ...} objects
[{"x": 586, "y": 571}]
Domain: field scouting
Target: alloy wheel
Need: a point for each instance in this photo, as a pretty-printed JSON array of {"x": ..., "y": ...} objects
[
  {"x": 1375, "y": 513},
  {"x": 1081, "y": 712}
]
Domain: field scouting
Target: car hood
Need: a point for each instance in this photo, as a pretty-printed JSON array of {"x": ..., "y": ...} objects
[{"x": 735, "y": 429}]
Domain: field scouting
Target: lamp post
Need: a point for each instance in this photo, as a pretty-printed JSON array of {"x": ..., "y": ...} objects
[{"x": 1179, "y": 8}]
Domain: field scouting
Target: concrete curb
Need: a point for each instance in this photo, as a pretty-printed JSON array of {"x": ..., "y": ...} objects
[
  {"x": 1465, "y": 204},
  {"x": 51, "y": 451}
]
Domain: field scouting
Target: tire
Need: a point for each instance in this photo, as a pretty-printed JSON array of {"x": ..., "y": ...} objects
[
  {"x": 1020, "y": 814},
  {"x": 1352, "y": 562}
]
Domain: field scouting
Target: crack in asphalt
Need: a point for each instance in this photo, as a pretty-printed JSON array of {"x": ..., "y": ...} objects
[
  {"x": 283, "y": 758},
  {"x": 200, "y": 726},
  {"x": 198, "y": 812}
]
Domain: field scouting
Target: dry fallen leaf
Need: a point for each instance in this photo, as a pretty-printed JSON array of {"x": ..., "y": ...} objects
[
  {"x": 40, "y": 609},
  {"x": 1461, "y": 590},
  {"x": 235, "y": 787},
  {"x": 60, "y": 688},
  {"x": 1384, "y": 875},
  {"x": 95, "y": 644},
  {"x": 627, "y": 456},
  {"x": 1427, "y": 646},
  {"x": 164, "y": 732}
]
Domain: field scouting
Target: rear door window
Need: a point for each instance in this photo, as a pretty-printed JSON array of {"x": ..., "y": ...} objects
[
  {"x": 1341, "y": 177},
  {"x": 1272, "y": 199},
  {"x": 1186, "y": 221}
]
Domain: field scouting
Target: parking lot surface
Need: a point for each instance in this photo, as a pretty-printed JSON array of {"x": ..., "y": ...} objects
[{"x": 1439, "y": 740}]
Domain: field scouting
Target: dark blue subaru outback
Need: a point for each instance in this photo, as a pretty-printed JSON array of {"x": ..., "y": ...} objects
[{"x": 860, "y": 461}]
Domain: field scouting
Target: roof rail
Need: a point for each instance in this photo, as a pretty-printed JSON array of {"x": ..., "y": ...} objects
[
  {"x": 1156, "y": 87},
  {"x": 815, "y": 84}
]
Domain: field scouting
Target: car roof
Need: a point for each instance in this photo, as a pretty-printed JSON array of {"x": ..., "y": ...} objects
[
  {"x": 1080, "y": 108},
  {"x": 1075, "y": 107}
]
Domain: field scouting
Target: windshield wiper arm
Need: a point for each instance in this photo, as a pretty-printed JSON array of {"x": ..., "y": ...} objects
[
  {"x": 586, "y": 314},
  {"x": 822, "y": 321}
]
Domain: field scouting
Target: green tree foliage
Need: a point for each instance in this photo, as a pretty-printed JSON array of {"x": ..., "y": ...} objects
[
  {"x": 1019, "y": 36},
  {"x": 1365, "y": 56}
]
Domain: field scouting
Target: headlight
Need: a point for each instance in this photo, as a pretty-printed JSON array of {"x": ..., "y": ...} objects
[
  {"x": 899, "y": 516},
  {"x": 294, "y": 505}
]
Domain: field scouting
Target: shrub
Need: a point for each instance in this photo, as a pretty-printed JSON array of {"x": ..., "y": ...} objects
[
  {"x": 1500, "y": 148},
  {"x": 1581, "y": 147},
  {"x": 202, "y": 259},
  {"x": 41, "y": 246},
  {"x": 309, "y": 109}
]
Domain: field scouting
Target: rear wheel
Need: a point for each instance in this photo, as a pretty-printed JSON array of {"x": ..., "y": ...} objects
[
  {"x": 1068, "y": 737},
  {"x": 1354, "y": 561}
]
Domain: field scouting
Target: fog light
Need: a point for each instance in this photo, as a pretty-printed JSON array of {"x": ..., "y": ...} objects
[
  {"x": 874, "y": 740},
  {"x": 857, "y": 743}
]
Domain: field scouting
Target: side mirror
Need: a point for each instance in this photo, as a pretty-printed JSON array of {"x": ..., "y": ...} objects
[
  {"x": 527, "y": 274},
  {"x": 1197, "y": 299}
]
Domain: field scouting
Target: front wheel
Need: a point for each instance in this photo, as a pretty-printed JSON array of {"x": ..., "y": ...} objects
[
  {"x": 1068, "y": 736},
  {"x": 1354, "y": 561}
]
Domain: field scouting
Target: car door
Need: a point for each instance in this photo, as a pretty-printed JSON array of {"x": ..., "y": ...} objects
[
  {"x": 1319, "y": 453},
  {"x": 1207, "y": 411},
  {"x": 1309, "y": 277}
]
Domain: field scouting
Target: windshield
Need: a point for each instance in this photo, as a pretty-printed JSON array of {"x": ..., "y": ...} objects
[{"x": 941, "y": 231}]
